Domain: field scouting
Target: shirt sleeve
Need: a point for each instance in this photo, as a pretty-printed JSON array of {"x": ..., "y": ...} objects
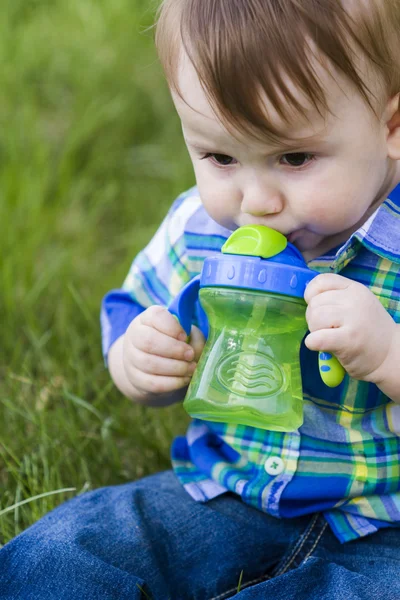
[{"x": 156, "y": 275}]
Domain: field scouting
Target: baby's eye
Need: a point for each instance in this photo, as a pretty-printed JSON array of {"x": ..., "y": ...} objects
[
  {"x": 223, "y": 160},
  {"x": 296, "y": 159}
]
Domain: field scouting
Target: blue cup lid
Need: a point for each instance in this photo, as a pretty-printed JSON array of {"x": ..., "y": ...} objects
[{"x": 256, "y": 257}]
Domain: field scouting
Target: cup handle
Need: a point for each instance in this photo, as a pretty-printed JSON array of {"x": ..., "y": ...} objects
[
  {"x": 331, "y": 371},
  {"x": 182, "y": 306}
]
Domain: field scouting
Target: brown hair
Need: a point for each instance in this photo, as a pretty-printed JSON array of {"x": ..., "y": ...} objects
[{"x": 244, "y": 50}]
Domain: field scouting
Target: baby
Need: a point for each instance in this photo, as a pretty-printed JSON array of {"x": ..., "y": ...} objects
[{"x": 290, "y": 112}]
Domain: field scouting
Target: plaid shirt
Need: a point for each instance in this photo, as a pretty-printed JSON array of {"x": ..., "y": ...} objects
[{"x": 345, "y": 459}]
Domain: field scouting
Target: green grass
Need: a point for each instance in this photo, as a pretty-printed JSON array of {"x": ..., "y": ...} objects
[{"x": 91, "y": 156}]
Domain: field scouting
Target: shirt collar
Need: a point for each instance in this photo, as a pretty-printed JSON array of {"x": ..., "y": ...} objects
[{"x": 380, "y": 234}]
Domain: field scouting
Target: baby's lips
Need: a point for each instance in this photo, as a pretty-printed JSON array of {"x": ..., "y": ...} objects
[{"x": 293, "y": 235}]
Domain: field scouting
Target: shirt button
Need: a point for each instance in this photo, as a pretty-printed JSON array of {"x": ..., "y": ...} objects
[
  {"x": 274, "y": 465},
  {"x": 361, "y": 472}
]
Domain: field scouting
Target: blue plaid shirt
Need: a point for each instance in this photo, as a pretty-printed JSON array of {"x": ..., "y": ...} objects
[{"x": 345, "y": 459}]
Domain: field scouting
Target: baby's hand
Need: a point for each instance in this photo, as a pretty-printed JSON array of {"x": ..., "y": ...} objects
[
  {"x": 156, "y": 356},
  {"x": 346, "y": 319}
]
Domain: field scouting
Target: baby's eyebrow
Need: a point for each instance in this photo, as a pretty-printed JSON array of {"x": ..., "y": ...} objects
[
  {"x": 297, "y": 143},
  {"x": 195, "y": 144},
  {"x": 205, "y": 145},
  {"x": 268, "y": 147}
]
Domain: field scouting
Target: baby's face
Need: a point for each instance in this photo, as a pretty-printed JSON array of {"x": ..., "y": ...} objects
[{"x": 317, "y": 193}]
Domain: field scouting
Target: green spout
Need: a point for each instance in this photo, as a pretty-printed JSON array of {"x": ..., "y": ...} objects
[{"x": 255, "y": 240}]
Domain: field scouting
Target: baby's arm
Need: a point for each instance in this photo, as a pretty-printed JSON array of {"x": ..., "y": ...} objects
[{"x": 152, "y": 363}]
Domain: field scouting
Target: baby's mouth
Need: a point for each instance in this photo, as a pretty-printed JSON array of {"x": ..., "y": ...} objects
[{"x": 293, "y": 235}]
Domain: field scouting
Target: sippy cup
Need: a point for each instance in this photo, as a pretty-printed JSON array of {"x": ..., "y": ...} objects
[{"x": 249, "y": 371}]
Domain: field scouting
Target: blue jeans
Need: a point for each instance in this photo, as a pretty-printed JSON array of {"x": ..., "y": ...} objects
[{"x": 149, "y": 539}]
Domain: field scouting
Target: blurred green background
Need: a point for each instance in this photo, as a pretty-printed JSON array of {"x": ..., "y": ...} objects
[{"x": 91, "y": 157}]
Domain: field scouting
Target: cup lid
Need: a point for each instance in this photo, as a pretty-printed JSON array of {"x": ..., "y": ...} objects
[{"x": 256, "y": 257}]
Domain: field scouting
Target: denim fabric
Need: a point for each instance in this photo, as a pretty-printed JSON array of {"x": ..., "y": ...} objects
[{"x": 150, "y": 539}]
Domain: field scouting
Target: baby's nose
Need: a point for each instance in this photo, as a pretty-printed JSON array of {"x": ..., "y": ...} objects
[{"x": 260, "y": 201}]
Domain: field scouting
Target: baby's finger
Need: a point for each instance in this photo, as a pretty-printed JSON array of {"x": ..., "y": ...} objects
[
  {"x": 197, "y": 341},
  {"x": 326, "y": 340},
  {"x": 324, "y": 317},
  {"x": 159, "y": 365},
  {"x": 156, "y": 384},
  {"x": 332, "y": 297},
  {"x": 152, "y": 342},
  {"x": 324, "y": 283},
  {"x": 161, "y": 319}
]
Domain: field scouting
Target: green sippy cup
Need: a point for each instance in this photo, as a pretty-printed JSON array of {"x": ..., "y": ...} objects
[{"x": 249, "y": 371}]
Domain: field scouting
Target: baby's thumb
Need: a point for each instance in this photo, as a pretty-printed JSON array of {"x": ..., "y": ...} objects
[{"x": 197, "y": 341}]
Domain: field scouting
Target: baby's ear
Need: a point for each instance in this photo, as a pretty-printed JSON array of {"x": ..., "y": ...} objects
[{"x": 393, "y": 127}]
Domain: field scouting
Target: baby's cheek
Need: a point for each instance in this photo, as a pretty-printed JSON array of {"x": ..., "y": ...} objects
[
  {"x": 330, "y": 201},
  {"x": 334, "y": 214},
  {"x": 219, "y": 202}
]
